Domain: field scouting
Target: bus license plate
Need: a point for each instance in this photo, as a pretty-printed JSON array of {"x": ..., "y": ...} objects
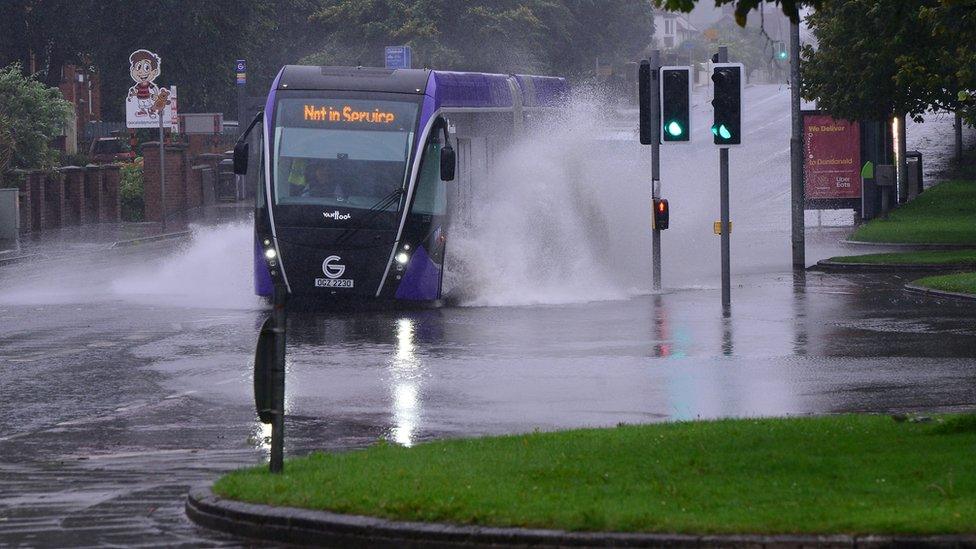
[{"x": 333, "y": 283}]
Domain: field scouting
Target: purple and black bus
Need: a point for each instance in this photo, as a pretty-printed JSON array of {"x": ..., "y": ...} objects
[{"x": 360, "y": 172}]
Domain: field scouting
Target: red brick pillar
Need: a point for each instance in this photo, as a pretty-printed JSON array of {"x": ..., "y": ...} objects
[
  {"x": 110, "y": 204},
  {"x": 176, "y": 175},
  {"x": 52, "y": 199},
  {"x": 35, "y": 186},
  {"x": 73, "y": 196},
  {"x": 92, "y": 195}
]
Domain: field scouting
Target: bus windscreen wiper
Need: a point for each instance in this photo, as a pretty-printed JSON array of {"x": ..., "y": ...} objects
[{"x": 371, "y": 213}]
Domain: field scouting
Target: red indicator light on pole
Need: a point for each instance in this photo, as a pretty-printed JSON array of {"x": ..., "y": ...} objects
[{"x": 662, "y": 213}]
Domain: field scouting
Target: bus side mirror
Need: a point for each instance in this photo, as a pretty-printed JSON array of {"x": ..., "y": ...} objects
[
  {"x": 448, "y": 163},
  {"x": 240, "y": 157}
]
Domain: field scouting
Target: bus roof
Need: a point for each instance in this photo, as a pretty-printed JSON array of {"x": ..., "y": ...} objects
[{"x": 447, "y": 88}]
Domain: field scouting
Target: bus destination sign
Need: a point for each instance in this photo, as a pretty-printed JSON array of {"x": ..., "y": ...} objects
[{"x": 347, "y": 114}]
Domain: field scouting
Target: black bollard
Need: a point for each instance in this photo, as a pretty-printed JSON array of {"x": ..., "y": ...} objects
[{"x": 280, "y": 317}]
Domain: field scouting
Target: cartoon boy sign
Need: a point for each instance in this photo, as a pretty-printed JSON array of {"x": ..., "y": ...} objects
[{"x": 144, "y": 68}]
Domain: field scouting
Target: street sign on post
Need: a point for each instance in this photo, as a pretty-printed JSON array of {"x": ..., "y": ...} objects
[
  {"x": 241, "y": 68},
  {"x": 398, "y": 57},
  {"x": 676, "y": 104},
  {"x": 727, "y": 104}
]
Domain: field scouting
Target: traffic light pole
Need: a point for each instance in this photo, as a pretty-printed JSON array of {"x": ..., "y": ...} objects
[
  {"x": 723, "y": 161},
  {"x": 655, "y": 164},
  {"x": 798, "y": 239}
]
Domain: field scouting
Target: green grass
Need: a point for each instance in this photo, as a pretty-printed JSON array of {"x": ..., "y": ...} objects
[
  {"x": 836, "y": 474},
  {"x": 933, "y": 257},
  {"x": 944, "y": 214},
  {"x": 964, "y": 283}
]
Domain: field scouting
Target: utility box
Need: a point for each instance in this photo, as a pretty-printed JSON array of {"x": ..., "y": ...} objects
[{"x": 9, "y": 215}]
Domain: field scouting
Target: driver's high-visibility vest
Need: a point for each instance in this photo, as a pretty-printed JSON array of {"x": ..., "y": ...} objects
[{"x": 296, "y": 176}]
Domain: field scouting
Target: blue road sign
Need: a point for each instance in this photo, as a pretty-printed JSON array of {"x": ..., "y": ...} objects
[
  {"x": 398, "y": 57},
  {"x": 241, "y": 72}
]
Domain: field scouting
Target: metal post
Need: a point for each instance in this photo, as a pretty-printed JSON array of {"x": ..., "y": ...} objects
[
  {"x": 162, "y": 168},
  {"x": 723, "y": 160},
  {"x": 278, "y": 379},
  {"x": 796, "y": 154},
  {"x": 656, "y": 162}
]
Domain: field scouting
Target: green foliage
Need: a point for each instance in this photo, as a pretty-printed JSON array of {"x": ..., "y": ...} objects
[
  {"x": 834, "y": 474},
  {"x": 198, "y": 43},
  {"x": 876, "y": 58},
  {"x": 132, "y": 192},
  {"x": 744, "y": 7},
  {"x": 943, "y": 214},
  {"x": 539, "y": 36},
  {"x": 31, "y": 115}
]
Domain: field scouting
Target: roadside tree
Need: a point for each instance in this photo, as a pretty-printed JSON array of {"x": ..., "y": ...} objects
[{"x": 31, "y": 115}]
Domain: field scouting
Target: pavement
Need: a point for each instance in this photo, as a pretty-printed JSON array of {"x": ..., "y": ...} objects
[{"x": 126, "y": 375}]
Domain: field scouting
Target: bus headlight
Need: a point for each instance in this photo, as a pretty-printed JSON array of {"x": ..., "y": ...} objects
[
  {"x": 270, "y": 254},
  {"x": 402, "y": 258}
]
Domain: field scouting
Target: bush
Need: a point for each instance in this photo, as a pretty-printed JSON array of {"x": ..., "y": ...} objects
[
  {"x": 132, "y": 191},
  {"x": 77, "y": 159}
]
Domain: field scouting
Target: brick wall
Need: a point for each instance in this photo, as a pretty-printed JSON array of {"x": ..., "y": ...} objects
[{"x": 92, "y": 194}]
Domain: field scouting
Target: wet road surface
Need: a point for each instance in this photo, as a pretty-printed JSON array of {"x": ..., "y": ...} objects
[{"x": 114, "y": 407}]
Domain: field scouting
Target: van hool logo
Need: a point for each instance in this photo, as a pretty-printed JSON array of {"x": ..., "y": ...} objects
[
  {"x": 331, "y": 269},
  {"x": 336, "y": 215}
]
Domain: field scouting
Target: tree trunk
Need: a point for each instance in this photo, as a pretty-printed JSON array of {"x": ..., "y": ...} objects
[{"x": 958, "y": 127}]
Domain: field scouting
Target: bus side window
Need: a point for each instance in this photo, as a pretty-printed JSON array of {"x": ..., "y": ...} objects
[
  {"x": 430, "y": 197},
  {"x": 256, "y": 162}
]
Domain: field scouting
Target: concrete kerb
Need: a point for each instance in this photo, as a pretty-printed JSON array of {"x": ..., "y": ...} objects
[
  {"x": 322, "y": 528},
  {"x": 909, "y": 246},
  {"x": 148, "y": 239},
  {"x": 827, "y": 265},
  {"x": 931, "y": 292}
]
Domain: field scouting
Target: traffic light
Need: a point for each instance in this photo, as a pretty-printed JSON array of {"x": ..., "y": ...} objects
[
  {"x": 676, "y": 104},
  {"x": 661, "y": 214},
  {"x": 644, "y": 100},
  {"x": 781, "y": 53},
  {"x": 727, "y": 104}
]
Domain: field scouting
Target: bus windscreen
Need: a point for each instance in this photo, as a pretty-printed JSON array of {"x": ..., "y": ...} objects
[{"x": 341, "y": 152}]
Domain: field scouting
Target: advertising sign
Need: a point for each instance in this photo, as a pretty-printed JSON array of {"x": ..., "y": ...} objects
[
  {"x": 831, "y": 158},
  {"x": 141, "y": 102},
  {"x": 398, "y": 57}
]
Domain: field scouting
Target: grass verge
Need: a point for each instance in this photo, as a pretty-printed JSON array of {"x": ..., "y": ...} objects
[
  {"x": 963, "y": 283},
  {"x": 927, "y": 257},
  {"x": 941, "y": 215},
  {"x": 836, "y": 474}
]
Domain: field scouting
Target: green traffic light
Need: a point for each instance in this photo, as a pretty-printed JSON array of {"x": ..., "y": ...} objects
[
  {"x": 782, "y": 55},
  {"x": 724, "y": 132},
  {"x": 674, "y": 129},
  {"x": 714, "y": 130}
]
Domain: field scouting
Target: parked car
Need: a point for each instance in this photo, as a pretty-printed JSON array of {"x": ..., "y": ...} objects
[{"x": 106, "y": 150}]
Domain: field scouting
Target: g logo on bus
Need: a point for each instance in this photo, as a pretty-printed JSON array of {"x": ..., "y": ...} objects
[{"x": 330, "y": 269}]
